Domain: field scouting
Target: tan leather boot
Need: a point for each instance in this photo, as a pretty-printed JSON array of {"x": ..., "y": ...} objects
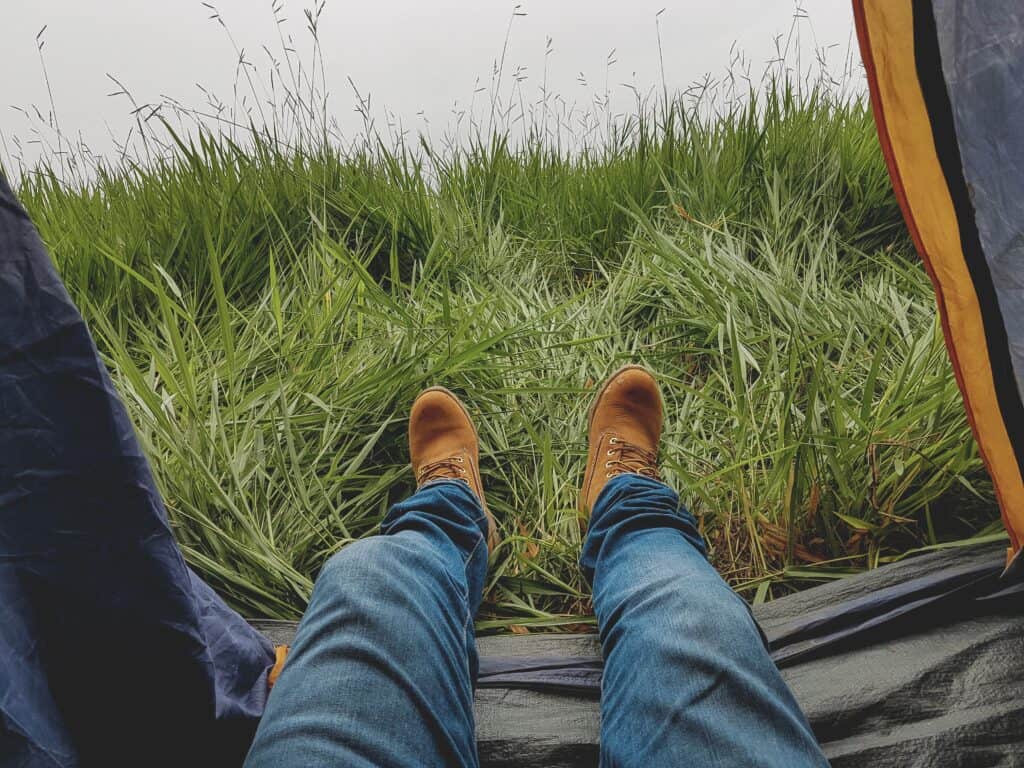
[
  {"x": 443, "y": 445},
  {"x": 625, "y": 427}
]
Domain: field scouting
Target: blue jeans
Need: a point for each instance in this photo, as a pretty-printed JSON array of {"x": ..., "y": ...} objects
[{"x": 382, "y": 669}]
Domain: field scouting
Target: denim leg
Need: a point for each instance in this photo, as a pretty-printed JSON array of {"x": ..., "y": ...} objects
[
  {"x": 382, "y": 668},
  {"x": 687, "y": 678}
]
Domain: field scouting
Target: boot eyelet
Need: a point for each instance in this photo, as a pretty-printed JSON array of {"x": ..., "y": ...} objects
[
  {"x": 613, "y": 440},
  {"x": 459, "y": 459},
  {"x": 611, "y": 452},
  {"x": 608, "y": 474},
  {"x": 607, "y": 464}
]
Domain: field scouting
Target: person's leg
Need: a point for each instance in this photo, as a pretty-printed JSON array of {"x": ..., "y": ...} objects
[
  {"x": 687, "y": 677},
  {"x": 381, "y": 671}
]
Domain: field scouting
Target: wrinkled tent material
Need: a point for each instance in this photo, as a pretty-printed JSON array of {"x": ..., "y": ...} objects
[
  {"x": 113, "y": 652},
  {"x": 109, "y": 644},
  {"x": 947, "y": 90}
]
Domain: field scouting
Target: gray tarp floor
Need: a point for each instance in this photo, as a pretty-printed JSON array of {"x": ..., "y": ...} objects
[{"x": 914, "y": 664}]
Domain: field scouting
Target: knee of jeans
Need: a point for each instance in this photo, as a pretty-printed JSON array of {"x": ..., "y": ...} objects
[
  {"x": 384, "y": 564},
  {"x": 707, "y": 605},
  {"x": 384, "y": 576},
  {"x": 363, "y": 563},
  {"x": 724, "y": 619}
]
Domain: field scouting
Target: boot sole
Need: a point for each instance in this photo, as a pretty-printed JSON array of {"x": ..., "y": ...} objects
[{"x": 492, "y": 526}]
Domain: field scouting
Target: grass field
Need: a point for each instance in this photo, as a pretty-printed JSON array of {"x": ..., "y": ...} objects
[{"x": 269, "y": 312}]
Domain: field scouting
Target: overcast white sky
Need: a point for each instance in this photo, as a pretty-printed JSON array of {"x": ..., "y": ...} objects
[{"x": 419, "y": 58}]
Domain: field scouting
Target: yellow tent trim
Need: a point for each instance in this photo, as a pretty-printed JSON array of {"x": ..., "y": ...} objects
[{"x": 886, "y": 32}]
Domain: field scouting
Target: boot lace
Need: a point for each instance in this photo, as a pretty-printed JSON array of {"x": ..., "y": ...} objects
[
  {"x": 451, "y": 468},
  {"x": 628, "y": 458}
]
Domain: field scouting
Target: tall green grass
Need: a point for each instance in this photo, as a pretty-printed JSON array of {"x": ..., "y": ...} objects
[{"x": 269, "y": 309}]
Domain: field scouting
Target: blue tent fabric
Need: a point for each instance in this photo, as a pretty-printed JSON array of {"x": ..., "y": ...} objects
[
  {"x": 110, "y": 646},
  {"x": 981, "y": 47}
]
